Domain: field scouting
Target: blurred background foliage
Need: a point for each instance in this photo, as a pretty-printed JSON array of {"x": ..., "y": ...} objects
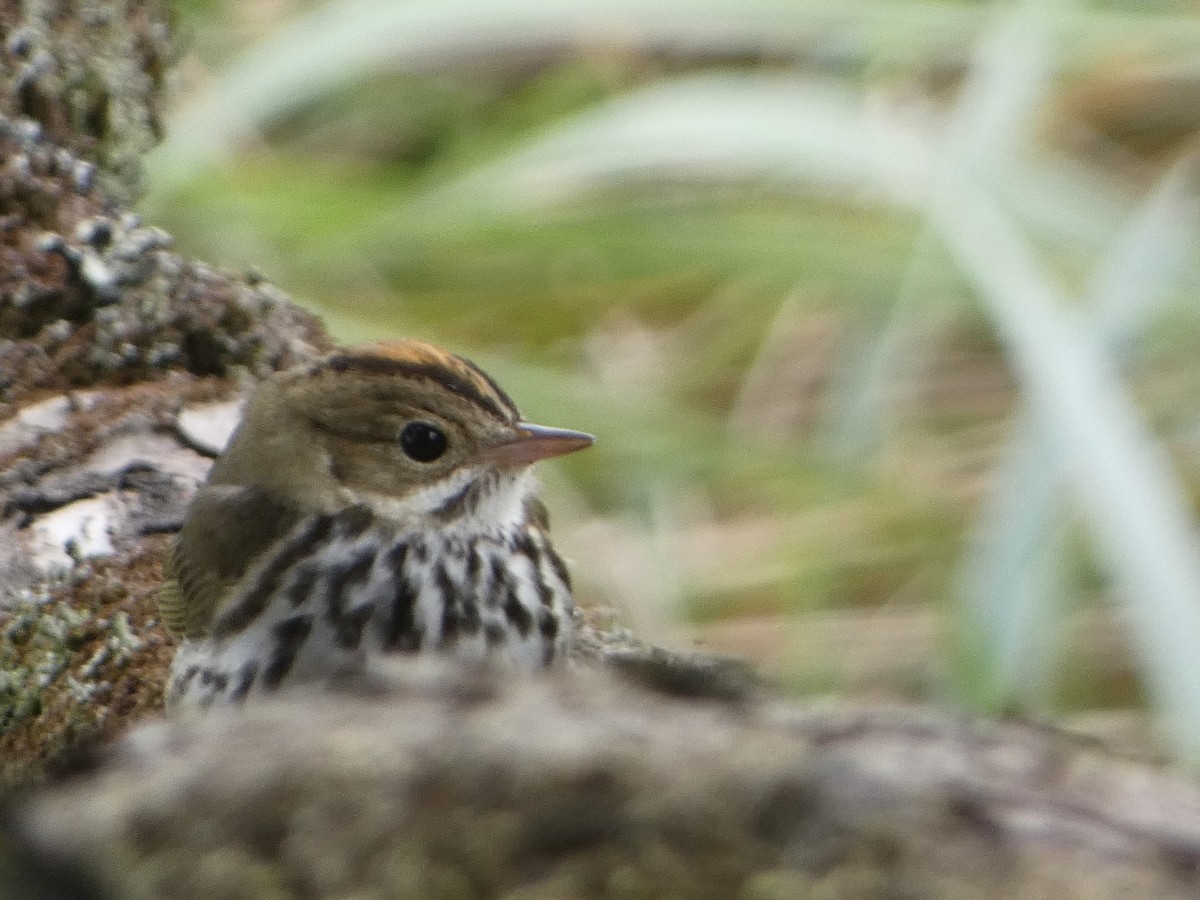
[{"x": 884, "y": 312}]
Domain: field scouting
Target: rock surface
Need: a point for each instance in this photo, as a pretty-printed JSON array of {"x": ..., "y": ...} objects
[
  {"x": 92, "y": 75},
  {"x": 107, "y": 338}
]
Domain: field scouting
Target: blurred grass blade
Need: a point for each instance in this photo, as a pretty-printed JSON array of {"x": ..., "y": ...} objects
[
  {"x": 806, "y": 133},
  {"x": 1004, "y": 609},
  {"x": 339, "y": 42},
  {"x": 1134, "y": 280},
  {"x": 1008, "y": 80},
  {"x": 986, "y": 130},
  {"x": 1004, "y": 591},
  {"x": 1134, "y": 504},
  {"x": 1007, "y": 609},
  {"x": 864, "y": 411},
  {"x": 803, "y": 134}
]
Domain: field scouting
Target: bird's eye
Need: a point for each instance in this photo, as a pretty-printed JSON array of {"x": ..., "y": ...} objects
[{"x": 422, "y": 441}]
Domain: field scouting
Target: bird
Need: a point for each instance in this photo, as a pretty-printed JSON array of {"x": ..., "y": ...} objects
[{"x": 379, "y": 500}]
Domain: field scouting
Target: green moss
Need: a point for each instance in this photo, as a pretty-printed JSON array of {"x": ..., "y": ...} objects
[
  {"x": 78, "y": 662},
  {"x": 36, "y": 645}
]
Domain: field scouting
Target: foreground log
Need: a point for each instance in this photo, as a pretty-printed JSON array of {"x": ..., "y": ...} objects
[{"x": 451, "y": 783}]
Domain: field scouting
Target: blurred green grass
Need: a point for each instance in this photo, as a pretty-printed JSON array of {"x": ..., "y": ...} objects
[{"x": 713, "y": 331}]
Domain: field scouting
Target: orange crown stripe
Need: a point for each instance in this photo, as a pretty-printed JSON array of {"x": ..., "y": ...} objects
[{"x": 421, "y": 360}]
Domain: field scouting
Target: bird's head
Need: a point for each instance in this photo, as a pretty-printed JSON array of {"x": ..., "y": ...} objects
[{"x": 413, "y": 432}]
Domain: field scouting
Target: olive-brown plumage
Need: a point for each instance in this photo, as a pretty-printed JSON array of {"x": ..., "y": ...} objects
[{"x": 376, "y": 501}]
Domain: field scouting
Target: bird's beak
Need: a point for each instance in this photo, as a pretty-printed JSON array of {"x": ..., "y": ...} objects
[{"x": 534, "y": 442}]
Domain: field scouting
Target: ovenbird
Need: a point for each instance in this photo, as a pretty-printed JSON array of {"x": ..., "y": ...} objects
[{"x": 379, "y": 500}]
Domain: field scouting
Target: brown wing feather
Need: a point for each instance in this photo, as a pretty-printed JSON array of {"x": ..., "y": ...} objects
[{"x": 227, "y": 528}]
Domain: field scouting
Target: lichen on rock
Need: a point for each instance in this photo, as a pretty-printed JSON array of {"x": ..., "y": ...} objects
[
  {"x": 90, "y": 295},
  {"x": 106, "y": 334},
  {"x": 93, "y": 75},
  {"x": 76, "y": 657}
]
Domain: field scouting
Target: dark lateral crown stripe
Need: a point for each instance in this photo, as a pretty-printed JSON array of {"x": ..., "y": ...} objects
[{"x": 471, "y": 384}]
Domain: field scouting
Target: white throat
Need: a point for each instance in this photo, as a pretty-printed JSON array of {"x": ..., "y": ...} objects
[{"x": 472, "y": 501}]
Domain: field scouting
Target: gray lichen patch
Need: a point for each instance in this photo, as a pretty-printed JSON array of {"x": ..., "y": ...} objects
[
  {"x": 90, "y": 295},
  {"x": 36, "y": 646},
  {"x": 92, "y": 74}
]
